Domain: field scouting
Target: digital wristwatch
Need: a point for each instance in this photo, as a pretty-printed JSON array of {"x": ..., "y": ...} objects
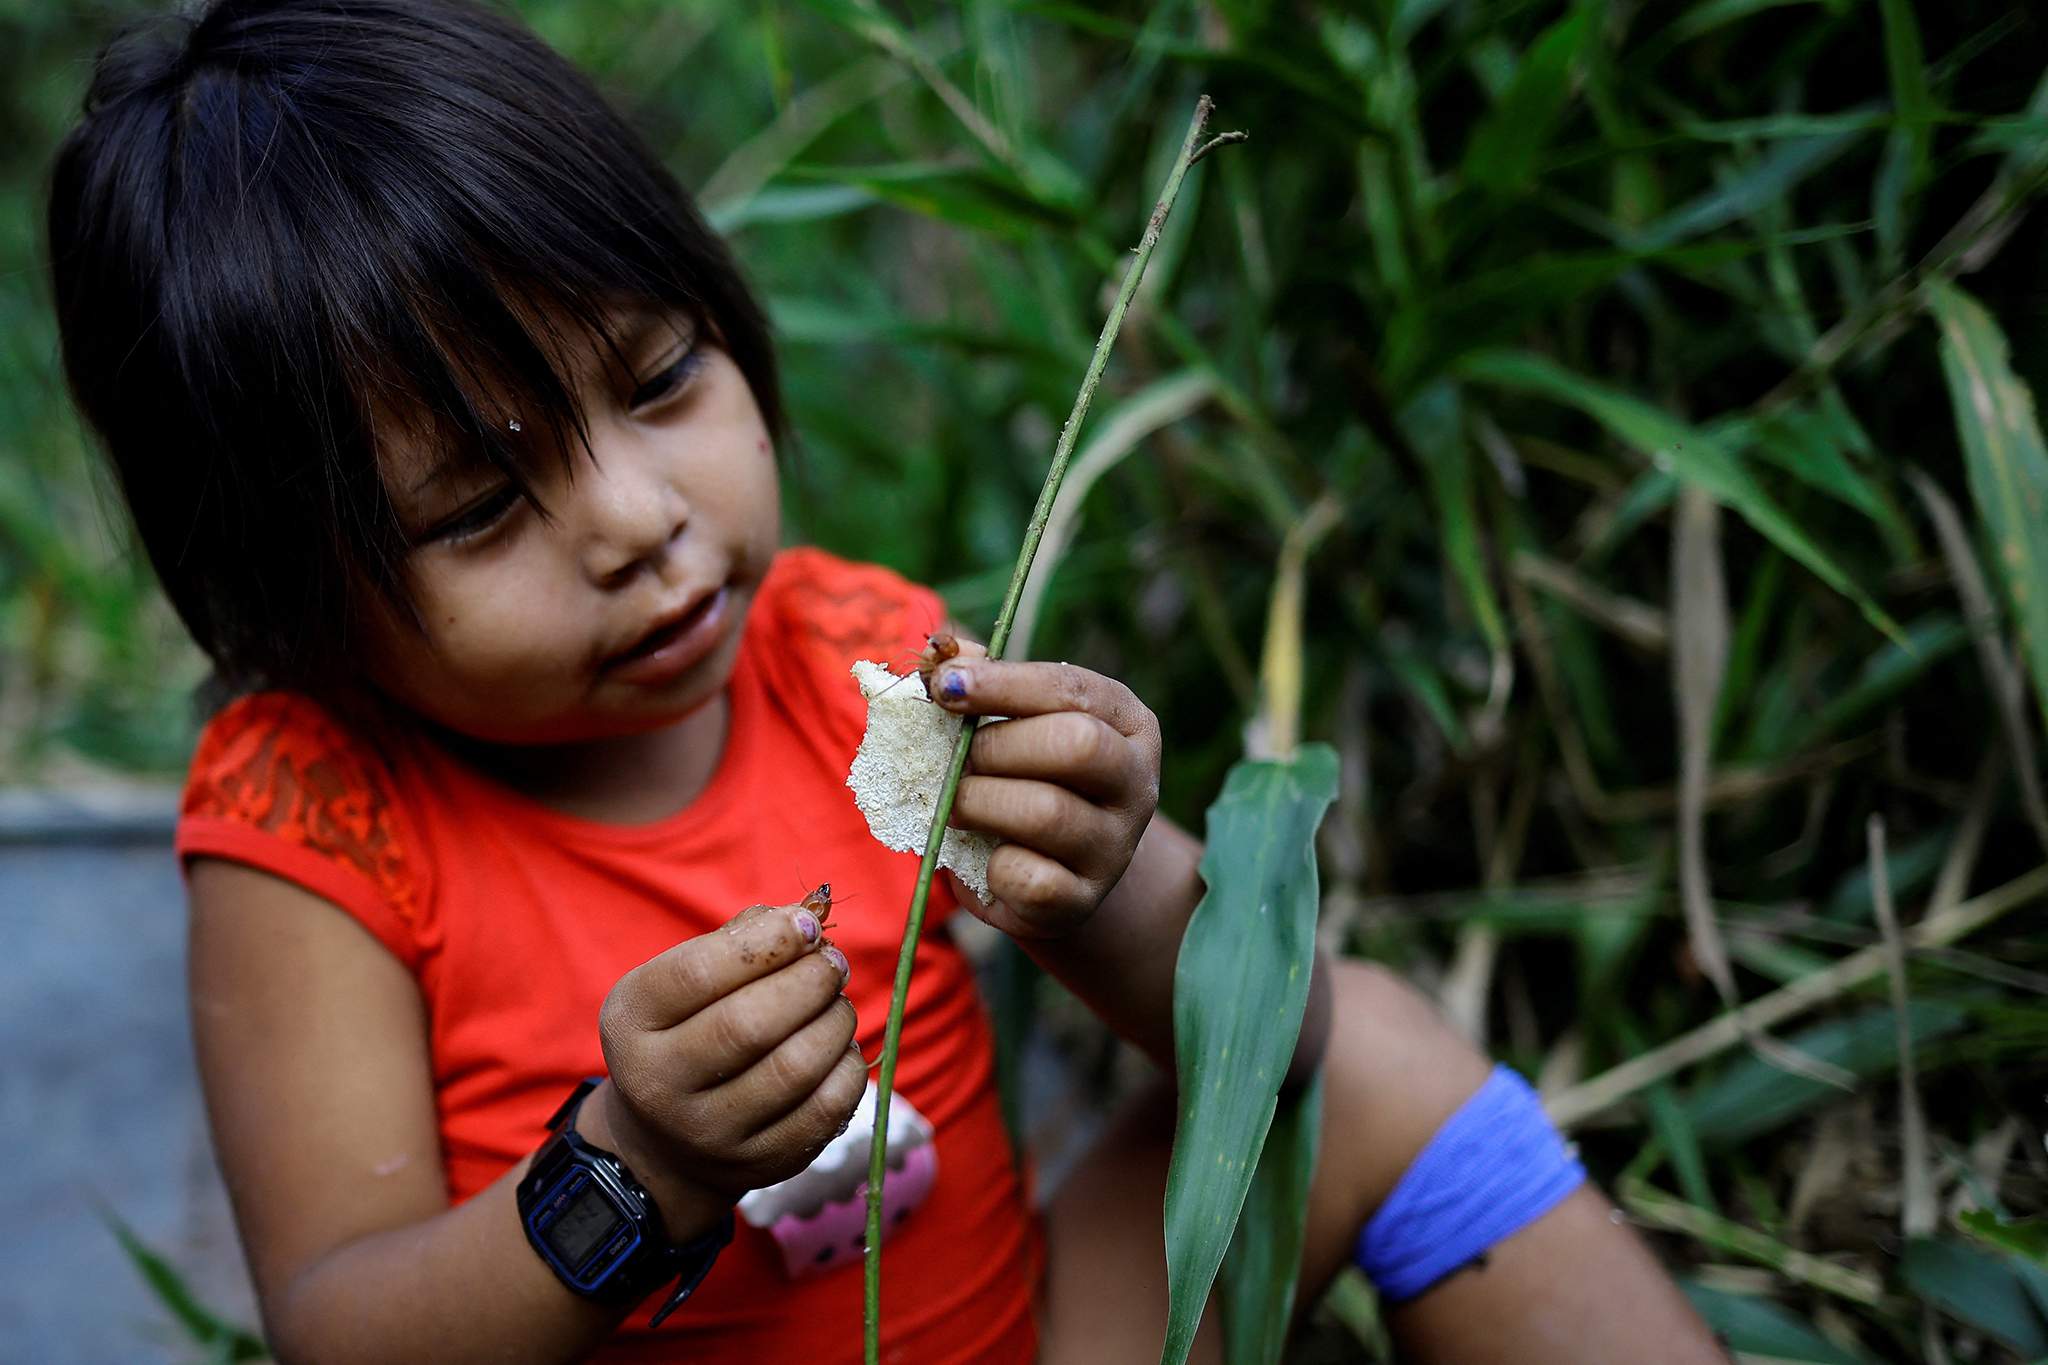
[{"x": 598, "y": 1229}]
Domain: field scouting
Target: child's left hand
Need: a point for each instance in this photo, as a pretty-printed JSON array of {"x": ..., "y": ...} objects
[{"x": 1068, "y": 784}]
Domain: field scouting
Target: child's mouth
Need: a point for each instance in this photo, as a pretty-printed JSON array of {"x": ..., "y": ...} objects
[{"x": 669, "y": 651}]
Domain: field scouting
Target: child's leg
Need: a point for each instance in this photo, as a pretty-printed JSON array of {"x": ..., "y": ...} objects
[
  {"x": 1105, "y": 1249},
  {"x": 1572, "y": 1286}
]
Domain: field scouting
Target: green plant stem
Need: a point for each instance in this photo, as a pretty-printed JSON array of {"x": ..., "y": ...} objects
[{"x": 878, "y": 1158}]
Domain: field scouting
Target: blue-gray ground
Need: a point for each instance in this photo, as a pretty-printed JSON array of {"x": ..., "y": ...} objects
[{"x": 100, "y": 1108}]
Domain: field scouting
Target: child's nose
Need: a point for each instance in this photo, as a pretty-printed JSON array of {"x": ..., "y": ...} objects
[{"x": 631, "y": 515}]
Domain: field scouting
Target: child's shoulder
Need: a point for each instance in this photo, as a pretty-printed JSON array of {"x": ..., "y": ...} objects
[
  {"x": 286, "y": 784},
  {"x": 269, "y": 736}
]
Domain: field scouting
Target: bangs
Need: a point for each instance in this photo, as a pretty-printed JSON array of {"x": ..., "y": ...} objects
[{"x": 295, "y": 229}]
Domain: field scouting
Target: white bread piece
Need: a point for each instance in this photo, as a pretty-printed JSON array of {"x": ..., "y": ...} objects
[{"x": 901, "y": 765}]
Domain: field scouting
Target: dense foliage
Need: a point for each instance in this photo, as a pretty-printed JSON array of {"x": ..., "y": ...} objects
[{"x": 1643, "y": 369}]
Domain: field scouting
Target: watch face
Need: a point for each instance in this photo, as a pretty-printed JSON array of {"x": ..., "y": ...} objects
[{"x": 583, "y": 1226}]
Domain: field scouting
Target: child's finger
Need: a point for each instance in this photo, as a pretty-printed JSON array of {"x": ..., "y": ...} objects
[
  {"x": 727, "y": 1037},
  {"x": 774, "y": 1087},
  {"x": 1039, "y": 891},
  {"x": 667, "y": 989},
  {"x": 996, "y": 687},
  {"x": 1072, "y": 749},
  {"x": 822, "y": 1114},
  {"x": 1040, "y": 816}
]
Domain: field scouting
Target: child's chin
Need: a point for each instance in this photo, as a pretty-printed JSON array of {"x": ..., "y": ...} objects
[
  {"x": 586, "y": 727},
  {"x": 659, "y": 718}
]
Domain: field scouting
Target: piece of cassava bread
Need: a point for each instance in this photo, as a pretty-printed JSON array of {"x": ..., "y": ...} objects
[{"x": 901, "y": 765}]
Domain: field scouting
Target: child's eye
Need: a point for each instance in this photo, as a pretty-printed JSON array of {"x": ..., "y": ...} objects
[
  {"x": 668, "y": 380},
  {"x": 477, "y": 518}
]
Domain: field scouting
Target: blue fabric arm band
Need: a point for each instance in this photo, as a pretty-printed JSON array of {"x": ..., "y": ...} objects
[{"x": 1496, "y": 1166}]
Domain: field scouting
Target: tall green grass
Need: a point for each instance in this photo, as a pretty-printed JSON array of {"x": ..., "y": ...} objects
[{"x": 1672, "y": 369}]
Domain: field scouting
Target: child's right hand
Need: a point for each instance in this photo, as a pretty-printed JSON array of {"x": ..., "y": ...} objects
[{"x": 732, "y": 1062}]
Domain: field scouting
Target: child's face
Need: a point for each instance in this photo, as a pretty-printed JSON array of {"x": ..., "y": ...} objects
[{"x": 622, "y": 610}]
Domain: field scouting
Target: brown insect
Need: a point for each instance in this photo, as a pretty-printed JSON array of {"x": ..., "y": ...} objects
[
  {"x": 941, "y": 647},
  {"x": 819, "y": 903}
]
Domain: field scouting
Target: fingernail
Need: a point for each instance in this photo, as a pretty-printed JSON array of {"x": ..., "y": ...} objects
[
  {"x": 838, "y": 959},
  {"x": 953, "y": 684},
  {"x": 807, "y": 925}
]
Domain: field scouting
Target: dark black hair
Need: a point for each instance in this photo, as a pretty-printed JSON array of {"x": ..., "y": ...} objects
[{"x": 283, "y": 226}]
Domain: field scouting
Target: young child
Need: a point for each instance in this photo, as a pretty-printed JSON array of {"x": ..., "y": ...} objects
[{"x": 450, "y": 430}]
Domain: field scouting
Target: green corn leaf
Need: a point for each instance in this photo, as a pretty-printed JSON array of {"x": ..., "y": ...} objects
[
  {"x": 1669, "y": 1124},
  {"x": 1812, "y": 446},
  {"x": 2007, "y": 463},
  {"x": 1264, "y": 1260},
  {"x": 1239, "y": 990},
  {"x": 1432, "y": 328},
  {"x": 2024, "y": 1237},
  {"x": 1503, "y": 153},
  {"x": 1677, "y": 447},
  {"x": 1651, "y": 493},
  {"x": 1769, "y": 179},
  {"x": 1746, "y": 650},
  {"x": 792, "y": 204},
  {"x": 966, "y": 196},
  {"x": 1423, "y": 682},
  {"x": 1709, "y": 15},
  {"x": 1904, "y": 164},
  {"x": 1910, "y": 867},
  {"x": 1979, "y": 1287},
  {"x": 1434, "y": 425},
  {"x": 1753, "y": 1097},
  {"x": 202, "y": 1324},
  {"x": 808, "y": 321},
  {"x": 1758, "y": 1327},
  {"x": 1896, "y": 665}
]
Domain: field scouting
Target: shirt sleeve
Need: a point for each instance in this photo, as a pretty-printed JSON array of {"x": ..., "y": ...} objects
[{"x": 279, "y": 785}]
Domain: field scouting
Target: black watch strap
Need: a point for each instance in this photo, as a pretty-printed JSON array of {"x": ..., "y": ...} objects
[
  {"x": 687, "y": 1263},
  {"x": 694, "y": 1259}
]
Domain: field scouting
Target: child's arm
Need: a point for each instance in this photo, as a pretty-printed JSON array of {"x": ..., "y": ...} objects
[
  {"x": 312, "y": 1047},
  {"x": 1095, "y": 885}
]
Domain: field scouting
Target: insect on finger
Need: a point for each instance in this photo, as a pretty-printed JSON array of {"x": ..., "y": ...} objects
[
  {"x": 819, "y": 903},
  {"x": 943, "y": 647},
  {"x": 919, "y": 672}
]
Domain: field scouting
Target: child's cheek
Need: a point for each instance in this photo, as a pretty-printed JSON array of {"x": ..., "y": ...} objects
[{"x": 493, "y": 643}]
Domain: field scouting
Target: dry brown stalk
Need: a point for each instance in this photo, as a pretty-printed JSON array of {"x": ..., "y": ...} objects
[{"x": 1609, "y": 1088}]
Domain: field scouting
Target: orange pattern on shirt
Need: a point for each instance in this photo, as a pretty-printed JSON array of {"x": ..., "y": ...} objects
[{"x": 516, "y": 920}]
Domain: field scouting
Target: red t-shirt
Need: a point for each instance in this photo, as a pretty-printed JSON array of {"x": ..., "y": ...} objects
[{"x": 516, "y": 920}]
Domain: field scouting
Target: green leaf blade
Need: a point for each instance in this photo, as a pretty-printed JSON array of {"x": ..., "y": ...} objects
[
  {"x": 1264, "y": 1260},
  {"x": 1687, "y": 452},
  {"x": 2006, "y": 461},
  {"x": 1979, "y": 1287},
  {"x": 1754, "y": 1097},
  {"x": 1503, "y": 154},
  {"x": 1758, "y": 1327},
  {"x": 1240, "y": 987}
]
